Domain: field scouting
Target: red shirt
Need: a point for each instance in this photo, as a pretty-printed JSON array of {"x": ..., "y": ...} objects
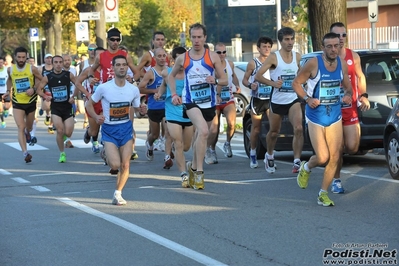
[{"x": 106, "y": 64}]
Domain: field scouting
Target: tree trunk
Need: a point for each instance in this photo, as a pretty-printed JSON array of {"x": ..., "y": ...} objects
[
  {"x": 58, "y": 33},
  {"x": 100, "y": 25},
  {"x": 323, "y": 13},
  {"x": 50, "y": 37}
]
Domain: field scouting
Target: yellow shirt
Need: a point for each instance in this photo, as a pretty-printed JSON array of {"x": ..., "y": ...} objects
[{"x": 22, "y": 80}]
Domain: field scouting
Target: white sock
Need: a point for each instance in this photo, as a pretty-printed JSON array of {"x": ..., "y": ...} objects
[
  {"x": 306, "y": 167},
  {"x": 321, "y": 190},
  {"x": 252, "y": 152},
  {"x": 117, "y": 192},
  {"x": 32, "y": 133},
  {"x": 297, "y": 160},
  {"x": 270, "y": 156}
]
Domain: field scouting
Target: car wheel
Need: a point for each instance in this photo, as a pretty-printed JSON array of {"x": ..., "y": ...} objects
[
  {"x": 241, "y": 103},
  {"x": 260, "y": 150},
  {"x": 392, "y": 155}
]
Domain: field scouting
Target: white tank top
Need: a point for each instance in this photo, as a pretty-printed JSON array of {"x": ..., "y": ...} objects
[
  {"x": 286, "y": 72},
  {"x": 227, "y": 91},
  {"x": 3, "y": 80},
  {"x": 263, "y": 92}
]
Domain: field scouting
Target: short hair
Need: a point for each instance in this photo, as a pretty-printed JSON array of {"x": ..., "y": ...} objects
[
  {"x": 118, "y": 57},
  {"x": 123, "y": 48},
  {"x": 330, "y": 35},
  {"x": 157, "y": 33},
  {"x": 113, "y": 32},
  {"x": 264, "y": 40},
  {"x": 198, "y": 26},
  {"x": 99, "y": 49},
  {"x": 2, "y": 58},
  {"x": 285, "y": 31},
  {"x": 159, "y": 49},
  {"x": 337, "y": 24},
  {"x": 59, "y": 56},
  {"x": 20, "y": 50},
  {"x": 178, "y": 50}
]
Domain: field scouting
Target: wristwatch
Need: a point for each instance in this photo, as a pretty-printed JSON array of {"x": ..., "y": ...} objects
[
  {"x": 90, "y": 76},
  {"x": 216, "y": 82},
  {"x": 365, "y": 95},
  {"x": 306, "y": 98}
]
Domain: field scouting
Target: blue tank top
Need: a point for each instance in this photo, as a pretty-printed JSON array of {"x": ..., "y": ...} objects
[
  {"x": 152, "y": 103},
  {"x": 326, "y": 87},
  {"x": 174, "y": 112}
]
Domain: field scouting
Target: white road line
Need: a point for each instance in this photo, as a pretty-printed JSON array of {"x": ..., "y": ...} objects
[
  {"x": 20, "y": 180},
  {"x": 189, "y": 253},
  {"x": 377, "y": 178},
  {"x": 4, "y": 172},
  {"x": 41, "y": 189},
  {"x": 259, "y": 180},
  {"x": 69, "y": 193},
  {"x": 16, "y": 146}
]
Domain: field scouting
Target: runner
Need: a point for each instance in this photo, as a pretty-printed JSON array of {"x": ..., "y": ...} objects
[
  {"x": 45, "y": 69},
  {"x": 117, "y": 97},
  {"x": 21, "y": 78},
  {"x": 3, "y": 90}
]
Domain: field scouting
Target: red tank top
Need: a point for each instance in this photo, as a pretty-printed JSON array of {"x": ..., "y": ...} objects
[
  {"x": 106, "y": 64},
  {"x": 351, "y": 72},
  {"x": 90, "y": 88}
]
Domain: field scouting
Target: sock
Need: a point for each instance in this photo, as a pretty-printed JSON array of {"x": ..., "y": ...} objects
[
  {"x": 95, "y": 138},
  {"x": 270, "y": 157},
  {"x": 183, "y": 173},
  {"x": 306, "y": 167},
  {"x": 32, "y": 133},
  {"x": 211, "y": 150},
  {"x": 194, "y": 170},
  {"x": 297, "y": 160},
  {"x": 2, "y": 117},
  {"x": 253, "y": 152},
  {"x": 167, "y": 157},
  {"x": 25, "y": 153},
  {"x": 117, "y": 192},
  {"x": 95, "y": 143},
  {"x": 227, "y": 143},
  {"x": 321, "y": 190},
  {"x": 199, "y": 172}
]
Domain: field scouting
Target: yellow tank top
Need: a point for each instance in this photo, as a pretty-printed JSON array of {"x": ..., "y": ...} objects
[{"x": 22, "y": 80}]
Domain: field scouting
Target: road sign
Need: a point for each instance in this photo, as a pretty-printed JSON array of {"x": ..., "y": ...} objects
[
  {"x": 237, "y": 3},
  {"x": 373, "y": 11},
  {"x": 34, "y": 34},
  {"x": 111, "y": 11},
  {"x": 89, "y": 16},
  {"x": 82, "y": 31}
]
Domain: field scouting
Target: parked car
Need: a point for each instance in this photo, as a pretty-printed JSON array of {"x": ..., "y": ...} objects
[
  {"x": 241, "y": 99},
  {"x": 381, "y": 68}
]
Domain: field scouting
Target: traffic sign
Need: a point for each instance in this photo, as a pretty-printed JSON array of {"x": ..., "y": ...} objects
[
  {"x": 89, "y": 16},
  {"x": 111, "y": 11},
  {"x": 82, "y": 31},
  {"x": 34, "y": 34},
  {"x": 373, "y": 11}
]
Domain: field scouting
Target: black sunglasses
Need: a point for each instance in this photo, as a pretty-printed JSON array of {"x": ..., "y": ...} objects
[
  {"x": 114, "y": 39},
  {"x": 220, "y": 52},
  {"x": 342, "y": 34}
]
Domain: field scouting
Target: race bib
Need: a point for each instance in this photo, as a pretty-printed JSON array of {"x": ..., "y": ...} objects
[
  {"x": 200, "y": 93},
  {"x": 2, "y": 82},
  {"x": 22, "y": 85},
  {"x": 264, "y": 91},
  {"x": 119, "y": 111},
  {"x": 225, "y": 94},
  {"x": 60, "y": 94},
  {"x": 287, "y": 83},
  {"x": 344, "y": 105},
  {"x": 329, "y": 92}
]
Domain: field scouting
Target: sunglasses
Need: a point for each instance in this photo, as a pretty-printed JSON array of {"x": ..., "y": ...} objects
[
  {"x": 114, "y": 39},
  {"x": 220, "y": 52},
  {"x": 92, "y": 49},
  {"x": 342, "y": 34}
]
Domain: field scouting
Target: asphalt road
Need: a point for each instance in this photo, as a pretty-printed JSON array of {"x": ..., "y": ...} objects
[{"x": 61, "y": 214}]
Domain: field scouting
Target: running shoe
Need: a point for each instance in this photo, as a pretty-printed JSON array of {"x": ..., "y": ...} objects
[
  {"x": 150, "y": 153},
  {"x": 190, "y": 174},
  {"x": 33, "y": 141},
  {"x": 118, "y": 200},
  {"x": 95, "y": 148},
  {"x": 336, "y": 187},
  {"x": 296, "y": 166},
  {"x": 28, "y": 158},
  {"x": 50, "y": 130},
  {"x": 134, "y": 156},
  {"x": 28, "y": 137},
  {"x": 113, "y": 171},
  {"x": 208, "y": 156},
  {"x": 62, "y": 158},
  {"x": 3, "y": 125},
  {"x": 269, "y": 165},
  {"x": 324, "y": 200},
  {"x": 5, "y": 113},
  {"x": 184, "y": 180},
  {"x": 68, "y": 144},
  {"x": 86, "y": 137},
  {"x": 168, "y": 162},
  {"x": 253, "y": 162},
  {"x": 47, "y": 120},
  {"x": 199, "y": 181},
  {"x": 214, "y": 157},
  {"x": 303, "y": 176},
  {"x": 227, "y": 150}
]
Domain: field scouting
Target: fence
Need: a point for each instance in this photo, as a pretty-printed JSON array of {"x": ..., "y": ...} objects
[{"x": 386, "y": 37}]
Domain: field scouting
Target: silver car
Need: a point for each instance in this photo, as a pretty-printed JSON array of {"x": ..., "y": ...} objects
[{"x": 241, "y": 99}]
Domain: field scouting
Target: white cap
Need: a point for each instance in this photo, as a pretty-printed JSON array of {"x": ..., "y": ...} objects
[{"x": 48, "y": 55}]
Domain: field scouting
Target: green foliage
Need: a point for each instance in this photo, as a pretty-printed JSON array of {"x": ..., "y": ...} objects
[{"x": 301, "y": 11}]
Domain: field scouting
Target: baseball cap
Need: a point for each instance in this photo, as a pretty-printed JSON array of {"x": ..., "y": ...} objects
[
  {"x": 48, "y": 55},
  {"x": 113, "y": 32}
]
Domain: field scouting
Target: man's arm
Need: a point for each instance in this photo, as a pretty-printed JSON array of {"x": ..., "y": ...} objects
[
  {"x": 145, "y": 61},
  {"x": 270, "y": 61},
  {"x": 93, "y": 67},
  {"x": 307, "y": 71},
  {"x": 361, "y": 83},
  {"x": 90, "y": 109},
  {"x": 220, "y": 74},
  {"x": 176, "y": 100},
  {"x": 247, "y": 74},
  {"x": 81, "y": 78},
  {"x": 77, "y": 84},
  {"x": 236, "y": 82},
  {"x": 9, "y": 83},
  {"x": 40, "y": 89},
  {"x": 346, "y": 84},
  {"x": 148, "y": 77}
]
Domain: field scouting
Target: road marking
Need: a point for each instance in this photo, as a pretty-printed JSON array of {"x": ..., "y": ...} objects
[
  {"x": 41, "y": 189},
  {"x": 377, "y": 178},
  {"x": 189, "y": 253},
  {"x": 260, "y": 180},
  {"x": 20, "y": 180},
  {"x": 4, "y": 172},
  {"x": 16, "y": 146}
]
